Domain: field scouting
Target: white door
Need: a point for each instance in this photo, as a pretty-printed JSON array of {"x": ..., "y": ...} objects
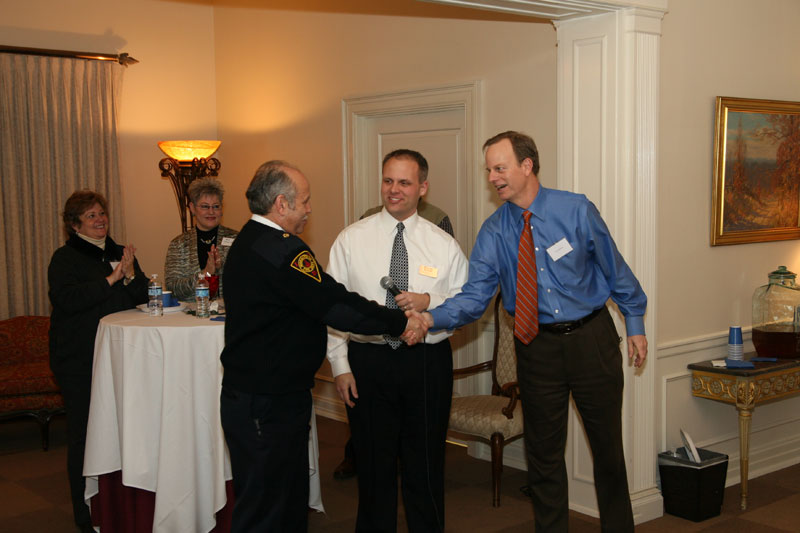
[
  {"x": 438, "y": 136},
  {"x": 440, "y": 124}
]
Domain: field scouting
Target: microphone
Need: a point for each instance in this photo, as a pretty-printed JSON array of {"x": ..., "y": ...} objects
[{"x": 388, "y": 284}]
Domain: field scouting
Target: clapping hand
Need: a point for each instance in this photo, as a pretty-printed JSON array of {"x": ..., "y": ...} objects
[
  {"x": 115, "y": 275},
  {"x": 416, "y": 328},
  {"x": 127, "y": 261},
  {"x": 214, "y": 261},
  {"x": 125, "y": 266}
]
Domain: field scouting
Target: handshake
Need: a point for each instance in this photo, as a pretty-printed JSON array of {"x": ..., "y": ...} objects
[
  {"x": 416, "y": 327},
  {"x": 415, "y": 305}
]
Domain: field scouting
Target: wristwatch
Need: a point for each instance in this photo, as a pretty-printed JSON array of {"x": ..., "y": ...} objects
[{"x": 127, "y": 280}]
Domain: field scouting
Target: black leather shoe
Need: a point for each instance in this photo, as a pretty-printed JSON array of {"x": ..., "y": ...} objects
[{"x": 345, "y": 470}]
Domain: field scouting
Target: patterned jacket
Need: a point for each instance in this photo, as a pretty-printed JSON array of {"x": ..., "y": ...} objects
[{"x": 181, "y": 267}]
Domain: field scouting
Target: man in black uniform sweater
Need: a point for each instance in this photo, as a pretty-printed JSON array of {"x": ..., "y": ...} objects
[{"x": 278, "y": 302}]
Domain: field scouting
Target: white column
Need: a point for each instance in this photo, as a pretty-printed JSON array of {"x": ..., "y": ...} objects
[
  {"x": 608, "y": 69},
  {"x": 641, "y": 37}
]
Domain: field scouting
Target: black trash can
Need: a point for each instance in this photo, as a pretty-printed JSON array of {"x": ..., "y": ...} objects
[{"x": 693, "y": 490}]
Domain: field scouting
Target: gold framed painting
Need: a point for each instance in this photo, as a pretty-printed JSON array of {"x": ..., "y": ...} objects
[{"x": 756, "y": 196}]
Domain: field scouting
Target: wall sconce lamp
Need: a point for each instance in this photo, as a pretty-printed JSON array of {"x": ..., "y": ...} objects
[{"x": 187, "y": 161}]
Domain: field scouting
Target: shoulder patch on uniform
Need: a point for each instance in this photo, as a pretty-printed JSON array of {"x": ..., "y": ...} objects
[{"x": 304, "y": 262}]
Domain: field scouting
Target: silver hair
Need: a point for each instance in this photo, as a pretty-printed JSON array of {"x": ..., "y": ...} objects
[
  {"x": 205, "y": 187},
  {"x": 269, "y": 182}
]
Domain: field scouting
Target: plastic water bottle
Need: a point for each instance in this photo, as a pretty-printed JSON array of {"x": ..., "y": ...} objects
[
  {"x": 201, "y": 296},
  {"x": 155, "y": 304}
]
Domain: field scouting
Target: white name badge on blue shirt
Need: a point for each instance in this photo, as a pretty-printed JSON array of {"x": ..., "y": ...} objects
[
  {"x": 227, "y": 241},
  {"x": 559, "y": 249}
]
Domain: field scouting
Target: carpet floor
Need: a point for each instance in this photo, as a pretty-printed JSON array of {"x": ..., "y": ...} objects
[{"x": 34, "y": 495}]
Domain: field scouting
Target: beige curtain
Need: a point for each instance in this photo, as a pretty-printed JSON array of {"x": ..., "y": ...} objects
[{"x": 58, "y": 134}]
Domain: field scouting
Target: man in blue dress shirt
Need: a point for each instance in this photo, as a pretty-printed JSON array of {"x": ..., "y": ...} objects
[{"x": 576, "y": 350}]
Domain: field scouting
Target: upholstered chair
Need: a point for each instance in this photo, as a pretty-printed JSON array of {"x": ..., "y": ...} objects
[{"x": 494, "y": 418}]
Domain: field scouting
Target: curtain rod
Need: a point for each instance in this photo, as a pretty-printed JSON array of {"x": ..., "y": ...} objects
[{"x": 123, "y": 58}]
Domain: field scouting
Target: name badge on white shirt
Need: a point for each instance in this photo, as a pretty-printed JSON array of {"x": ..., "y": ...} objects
[
  {"x": 559, "y": 249},
  {"x": 431, "y": 272},
  {"x": 227, "y": 241}
]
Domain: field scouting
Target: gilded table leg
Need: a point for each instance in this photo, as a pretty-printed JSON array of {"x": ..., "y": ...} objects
[{"x": 745, "y": 415}]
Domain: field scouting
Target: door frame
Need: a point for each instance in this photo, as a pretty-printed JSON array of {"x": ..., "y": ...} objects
[
  {"x": 464, "y": 97},
  {"x": 358, "y": 110}
]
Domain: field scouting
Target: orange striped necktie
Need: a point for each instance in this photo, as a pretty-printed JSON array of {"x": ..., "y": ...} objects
[{"x": 526, "y": 316}]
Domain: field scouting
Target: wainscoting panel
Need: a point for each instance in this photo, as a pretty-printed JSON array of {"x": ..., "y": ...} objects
[{"x": 775, "y": 429}]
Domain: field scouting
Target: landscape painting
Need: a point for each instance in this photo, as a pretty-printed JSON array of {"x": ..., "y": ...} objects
[{"x": 757, "y": 171}]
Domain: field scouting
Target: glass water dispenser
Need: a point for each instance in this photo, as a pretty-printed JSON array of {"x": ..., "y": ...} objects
[{"x": 776, "y": 316}]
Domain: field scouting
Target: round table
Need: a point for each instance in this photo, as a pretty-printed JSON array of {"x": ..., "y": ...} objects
[{"x": 155, "y": 417}]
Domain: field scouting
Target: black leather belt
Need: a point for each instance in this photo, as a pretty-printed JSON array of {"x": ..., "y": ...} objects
[{"x": 562, "y": 328}]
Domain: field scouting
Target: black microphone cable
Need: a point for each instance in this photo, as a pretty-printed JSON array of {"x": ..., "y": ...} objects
[
  {"x": 427, "y": 446},
  {"x": 388, "y": 284}
]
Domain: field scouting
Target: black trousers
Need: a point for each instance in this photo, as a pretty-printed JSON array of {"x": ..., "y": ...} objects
[
  {"x": 267, "y": 437},
  {"x": 587, "y": 363},
  {"x": 401, "y": 414},
  {"x": 76, "y": 390}
]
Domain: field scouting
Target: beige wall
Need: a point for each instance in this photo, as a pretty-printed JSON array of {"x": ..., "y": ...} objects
[
  {"x": 710, "y": 48},
  {"x": 170, "y": 94},
  {"x": 269, "y": 83},
  {"x": 282, "y": 75}
]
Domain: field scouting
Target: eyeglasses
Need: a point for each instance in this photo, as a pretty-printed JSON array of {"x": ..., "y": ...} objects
[{"x": 206, "y": 207}]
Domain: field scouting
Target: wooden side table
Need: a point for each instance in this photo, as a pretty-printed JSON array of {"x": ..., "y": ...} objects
[{"x": 745, "y": 388}]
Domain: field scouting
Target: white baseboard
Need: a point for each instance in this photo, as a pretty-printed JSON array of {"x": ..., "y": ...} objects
[
  {"x": 765, "y": 459},
  {"x": 588, "y": 511},
  {"x": 647, "y": 505}
]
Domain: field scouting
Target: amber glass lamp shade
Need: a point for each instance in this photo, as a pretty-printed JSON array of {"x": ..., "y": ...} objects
[
  {"x": 189, "y": 150},
  {"x": 187, "y": 161}
]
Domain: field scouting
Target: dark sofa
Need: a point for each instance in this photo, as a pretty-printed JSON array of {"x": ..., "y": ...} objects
[{"x": 27, "y": 386}]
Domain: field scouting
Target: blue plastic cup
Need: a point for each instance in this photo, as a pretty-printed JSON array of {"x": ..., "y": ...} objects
[
  {"x": 169, "y": 299},
  {"x": 735, "y": 335},
  {"x": 735, "y": 352}
]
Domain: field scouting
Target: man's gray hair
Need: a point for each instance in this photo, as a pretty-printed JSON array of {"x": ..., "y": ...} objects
[{"x": 269, "y": 182}]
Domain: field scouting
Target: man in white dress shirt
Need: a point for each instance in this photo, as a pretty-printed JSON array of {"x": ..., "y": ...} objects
[{"x": 398, "y": 396}]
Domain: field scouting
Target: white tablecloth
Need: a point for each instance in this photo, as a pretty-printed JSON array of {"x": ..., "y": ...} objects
[{"x": 154, "y": 415}]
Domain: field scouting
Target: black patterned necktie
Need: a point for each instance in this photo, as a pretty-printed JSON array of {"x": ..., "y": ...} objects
[{"x": 398, "y": 271}]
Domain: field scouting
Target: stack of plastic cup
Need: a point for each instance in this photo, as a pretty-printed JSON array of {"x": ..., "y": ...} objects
[{"x": 735, "y": 343}]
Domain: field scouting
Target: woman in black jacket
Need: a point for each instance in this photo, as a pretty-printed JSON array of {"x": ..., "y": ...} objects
[{"x": 90, "y": 276}]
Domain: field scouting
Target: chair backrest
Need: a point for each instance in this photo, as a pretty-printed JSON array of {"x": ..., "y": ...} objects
[
  {"x": 505, "y": 356},
  {"x": 24, "y": 339}
]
